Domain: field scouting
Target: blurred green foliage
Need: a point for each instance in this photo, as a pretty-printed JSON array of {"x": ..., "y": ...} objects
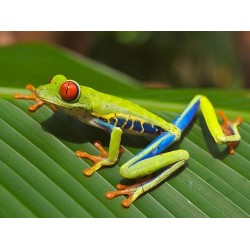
[{"x": 179, "y": 59}]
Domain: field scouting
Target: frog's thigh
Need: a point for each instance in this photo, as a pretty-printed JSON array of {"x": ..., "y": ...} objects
[{"x": 150, "y": 165}]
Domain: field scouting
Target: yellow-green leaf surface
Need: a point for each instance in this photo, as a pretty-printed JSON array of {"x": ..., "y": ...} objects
[{"x": 40, "y": 176}]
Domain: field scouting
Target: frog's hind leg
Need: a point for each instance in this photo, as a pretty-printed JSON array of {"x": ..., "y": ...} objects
[
  {"x": 227, "y": 132},
  {"x": 174, "y": 160}
]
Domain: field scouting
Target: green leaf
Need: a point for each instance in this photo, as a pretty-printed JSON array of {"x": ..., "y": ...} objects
[{"x": 40, "y": 176}]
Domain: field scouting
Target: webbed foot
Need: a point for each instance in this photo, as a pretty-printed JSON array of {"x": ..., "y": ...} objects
[
  {"x": 133, "y": 191},
  {"x": 101, "y": 160},
  {"x": 230, "y": 128},
  {"x": 32, "y": 96}
]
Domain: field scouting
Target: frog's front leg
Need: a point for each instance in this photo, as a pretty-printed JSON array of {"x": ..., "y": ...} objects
[
  {"x": 106, "y": 158},
  {"x": 32, "y": 96}
]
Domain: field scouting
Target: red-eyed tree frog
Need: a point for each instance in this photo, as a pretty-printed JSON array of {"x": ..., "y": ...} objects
[{"x": 117, "y": 115}]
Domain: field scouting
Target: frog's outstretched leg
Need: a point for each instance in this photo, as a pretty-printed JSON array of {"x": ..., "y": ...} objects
[
  {"x": 148, "y": 160},
  {"x": 227, "y": 132},
  {"x": 32, "y": 96}
]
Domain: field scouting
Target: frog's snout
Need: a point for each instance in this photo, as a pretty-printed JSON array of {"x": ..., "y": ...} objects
[{"x": 38, "y": 92}]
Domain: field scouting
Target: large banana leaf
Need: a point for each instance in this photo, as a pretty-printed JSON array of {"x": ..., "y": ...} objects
[{"x": 40, "y": 176}]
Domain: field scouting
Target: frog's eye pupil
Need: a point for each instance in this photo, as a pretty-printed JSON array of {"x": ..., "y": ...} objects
[{"x": 69, "y": 91}]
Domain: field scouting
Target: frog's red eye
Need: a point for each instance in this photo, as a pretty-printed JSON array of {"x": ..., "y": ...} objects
[{"x": 69, "y": 91}]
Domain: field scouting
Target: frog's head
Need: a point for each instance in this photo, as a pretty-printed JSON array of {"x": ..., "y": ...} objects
[{"x": 62, "y": 93}]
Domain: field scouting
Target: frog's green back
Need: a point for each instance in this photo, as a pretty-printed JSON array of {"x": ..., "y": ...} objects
[{"x": 108, "y": 106}]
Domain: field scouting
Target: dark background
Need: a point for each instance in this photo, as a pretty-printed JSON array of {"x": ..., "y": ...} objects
[{"x": 159, "y": 59}]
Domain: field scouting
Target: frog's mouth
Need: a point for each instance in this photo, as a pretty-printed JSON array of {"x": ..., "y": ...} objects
[
  {"x": 44, "y": 99},
  {"x": 41, "y": 97},
  {"x": 55, "y": 101}
]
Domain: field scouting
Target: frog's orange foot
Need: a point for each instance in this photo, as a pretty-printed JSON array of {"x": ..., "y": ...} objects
[
  {"x": 228, "y": 128},
  {"x": 32, "y": 96},
  {"x": 130, "y": 191},
  {"x": 98, "y": 160},
  {"x": 133, "y": 191}
]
